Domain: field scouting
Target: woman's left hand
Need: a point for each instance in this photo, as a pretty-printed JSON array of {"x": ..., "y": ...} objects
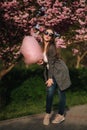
[{"x": 49, "y": 82}]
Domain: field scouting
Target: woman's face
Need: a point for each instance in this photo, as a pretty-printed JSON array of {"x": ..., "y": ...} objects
[{"x": 48, "y": 35}]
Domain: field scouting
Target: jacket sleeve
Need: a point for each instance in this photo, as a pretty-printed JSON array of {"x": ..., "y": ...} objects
[{"x": 51, "y": 60}]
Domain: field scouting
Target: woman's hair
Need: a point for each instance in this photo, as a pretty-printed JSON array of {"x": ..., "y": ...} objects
[
  {"x": 52, "y": 39},
  {"x": 52, "y": 42}
]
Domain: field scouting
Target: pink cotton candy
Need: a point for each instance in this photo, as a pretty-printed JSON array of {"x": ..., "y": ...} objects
[{"x": 31, "y": 50}]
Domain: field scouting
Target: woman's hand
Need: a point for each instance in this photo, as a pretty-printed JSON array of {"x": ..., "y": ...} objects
[
  {"x": 49, "y": 82},
  {"x": 40, "y": 62}
]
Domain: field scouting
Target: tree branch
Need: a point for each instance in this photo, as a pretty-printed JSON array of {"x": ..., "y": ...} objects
[
  {"x": 4, "y": 72},
  {"x": 84, "y": 54}
]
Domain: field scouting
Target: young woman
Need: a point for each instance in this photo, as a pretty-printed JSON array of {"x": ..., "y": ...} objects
[{"x": 56, "y": 76}]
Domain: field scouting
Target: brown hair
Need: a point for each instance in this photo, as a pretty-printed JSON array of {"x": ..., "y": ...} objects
[{"x": 52, "y": 42}]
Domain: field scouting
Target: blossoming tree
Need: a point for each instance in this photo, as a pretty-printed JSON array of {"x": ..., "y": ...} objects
[{"x": 18, "y": 17}]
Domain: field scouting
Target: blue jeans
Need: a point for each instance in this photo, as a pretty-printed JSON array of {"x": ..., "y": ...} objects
[{"x": 49, "y": 99}]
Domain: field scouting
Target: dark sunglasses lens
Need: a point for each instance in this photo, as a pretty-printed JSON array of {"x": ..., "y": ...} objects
[
  {"x": 46, "y": 33},
  {"x": 50, "y": 34}
]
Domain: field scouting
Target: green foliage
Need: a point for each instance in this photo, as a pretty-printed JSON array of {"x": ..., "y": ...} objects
[
  {"x": 79, "y": 79},
  {"x": 16, "y": 78},
  {"x": 68, "y": 57},
  {"x": 30, "y": 89}
]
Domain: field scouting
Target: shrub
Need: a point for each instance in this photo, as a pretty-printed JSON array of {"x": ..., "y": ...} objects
[
  {"x": 79, "y": 79},
  {"x": 27, "y": 84}
]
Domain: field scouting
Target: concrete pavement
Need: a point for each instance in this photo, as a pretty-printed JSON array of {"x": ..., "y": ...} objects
[{"x": 76, "y": 119}]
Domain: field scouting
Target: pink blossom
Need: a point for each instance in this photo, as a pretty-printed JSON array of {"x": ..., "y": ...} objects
[
  {"x": 82, "y": 22},
  {"x": 60, "y": 43},
  {"x": 75, "y": 51},
  {"x": 18, "y": 17},
  {"x": 25, "y": 15}
]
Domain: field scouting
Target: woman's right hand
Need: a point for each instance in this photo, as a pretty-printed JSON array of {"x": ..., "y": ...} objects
[{"x": 40, "y": 62}]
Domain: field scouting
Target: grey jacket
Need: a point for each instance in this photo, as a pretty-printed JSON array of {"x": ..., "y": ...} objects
[{"x": 57, "y": 69}]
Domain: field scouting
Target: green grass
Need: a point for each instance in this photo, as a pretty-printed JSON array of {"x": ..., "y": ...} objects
[
  {"x": 72, "y": 99},
  {"x": 76, "y": 98},
  {"x": 30, "y": 107}
]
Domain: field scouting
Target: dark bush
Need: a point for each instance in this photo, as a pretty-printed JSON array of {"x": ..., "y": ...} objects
[
  {"x": 20, "y": 85},
  {"x": 79, "y": 79}
]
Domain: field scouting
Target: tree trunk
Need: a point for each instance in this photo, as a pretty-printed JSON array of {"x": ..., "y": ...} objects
[
  {"x": 80, "y": 58},
  {"x": 5, "y": 71},
  {"x": 78, "y": 61}
]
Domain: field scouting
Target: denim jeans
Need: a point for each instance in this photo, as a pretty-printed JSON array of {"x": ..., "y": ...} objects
[{"x": 49, "y": 99}]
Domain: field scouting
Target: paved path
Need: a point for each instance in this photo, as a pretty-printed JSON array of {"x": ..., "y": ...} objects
[{"x": 76, "y": 119}]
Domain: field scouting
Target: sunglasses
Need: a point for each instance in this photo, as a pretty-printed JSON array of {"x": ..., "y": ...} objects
[{"x": 49, "y": 34}]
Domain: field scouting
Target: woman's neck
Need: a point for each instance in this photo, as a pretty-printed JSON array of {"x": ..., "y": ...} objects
[{"x": 45, "y": 45}]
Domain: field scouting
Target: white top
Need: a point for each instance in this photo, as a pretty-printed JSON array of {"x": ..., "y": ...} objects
[{"x": 45, "y": 59}]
